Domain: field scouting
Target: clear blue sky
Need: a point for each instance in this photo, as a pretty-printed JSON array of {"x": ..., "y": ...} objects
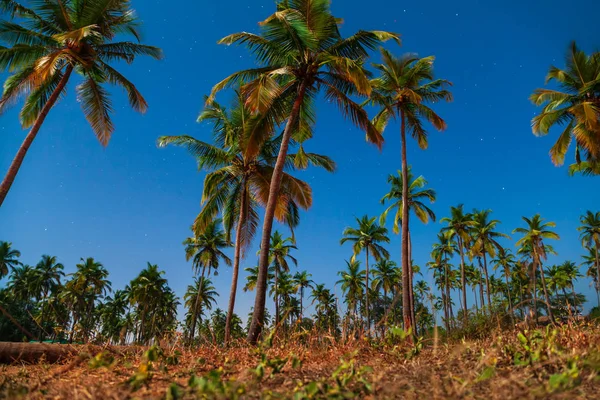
[{"x": 132, "y": 202}]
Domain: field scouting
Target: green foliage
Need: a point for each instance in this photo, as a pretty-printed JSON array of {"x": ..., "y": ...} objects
[{"x": 565, "y": 380}]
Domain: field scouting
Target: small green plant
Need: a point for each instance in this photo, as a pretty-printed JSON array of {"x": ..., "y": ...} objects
[
  {"x": 275, "y": 365},
  {"x": 213, "y": 386},
  {"x": 143, "y": 375},
  {"x": 565, "y": 380},
  {"x": 102, "y": 359}
]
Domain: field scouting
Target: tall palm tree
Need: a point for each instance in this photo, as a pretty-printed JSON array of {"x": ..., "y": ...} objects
[
  {"x": 50, "y": 41},
  {"x": 366, "y": 238},
  {"x": 8, "y": 258},
  {"x": 571, "y": 271},
  {"x": 205, "y": 251},
  {"x": 506, "y": 260},
  {"x": 590, "y": 235},
  {"x": 459, "y": 226},
  {"x": 353, "y": 285},
  {"x": 416, "y": 196},
  {"x": 302, "y": 281},
  {"x": 403, "y": 89},
  {"x": 199, "y": 297},
  {"x": 279, "y": 250},
  {"x": 534, "y": 234},
  {"x": 238, "y": 181},
  {"x": 300, "y": 51},
  {"x": 574, "y": 106},
  {"x": 485, "y": 241},
  {"x": 47, "y": 279}
]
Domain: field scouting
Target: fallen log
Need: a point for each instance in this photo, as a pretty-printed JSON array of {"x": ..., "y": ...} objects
[{"x": 11, "y": 352}]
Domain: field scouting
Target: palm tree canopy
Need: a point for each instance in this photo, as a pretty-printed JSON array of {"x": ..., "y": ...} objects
[
  {"x": 238, "y": 178},
  {"x": 576, "y": 105},
  {"x": 405, "y": 84},
  {"x": 55, "y": 36},
  {"x": 416, "y": 195},
  {"x": 484, "y": 234},
  {"x": 300, "y": 47},
  {"x": 533, "y": 235},
  {"x": 459, "y": 223},
  {"x": 367, "y": 236},
  {"x": 590, "y": 229},
  {"x": 8, "y": 258},
  {"x": 205, "y": 249}
]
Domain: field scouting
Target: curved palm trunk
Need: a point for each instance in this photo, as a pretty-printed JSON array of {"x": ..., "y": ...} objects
[
  {"x": 258, "y": 316},
  {"x": 534, "y": 280},
  {"x": 367, "y": 295},
  {"x": 301, "y": 303},
  {"x": 236, "y": 265},
  {"x": 11, "y": 174},
  {"x": 474, "y": 287},
  {"x": 406, "y": 314},
  {"x": 14, "y": 321},
  {"x": 463, "y": 280},
  {"x": 481, "y": 285},
  {"x": 574, "y": 298},
  {"x": 487, "y": 282}
]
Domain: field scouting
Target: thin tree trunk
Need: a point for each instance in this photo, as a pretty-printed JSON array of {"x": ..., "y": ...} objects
[
  {"x": 475, "y": 297},
  {"x": 276, "y": 298},
  {"x": 574, "y": 298},
  {"x": 534, "y": 279},
  {"x": 510, "y": 308},
  {"x": 236, "y": 264},
  {"x": 196, "y": 305},
  {"x": 14, "y": 321},
  {"x": 463, "y": 280},
  {"x": 258, "y": 315},
  {"x": 11, "y": 174},
  {"x": 546, "y": 294},
  {"x": 411, "y": 286},
  {"x": 406, "y": 314},
  {"x": 487, "y": 282},
  {"x": 367, "y": 295}
]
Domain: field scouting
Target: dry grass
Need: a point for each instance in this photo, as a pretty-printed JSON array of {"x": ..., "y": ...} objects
[{"x": 561, "y": 364}]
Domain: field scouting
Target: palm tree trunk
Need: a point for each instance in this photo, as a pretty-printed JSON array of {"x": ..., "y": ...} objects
[
  {"x": 574, "y": 297},
  {"x": 14, "y": 321},
  {"x": 487, "y": 282},
  {"x": 546, "y": 294},
  {"x": 410, "y": 286},
  {"x": 196, "y": 305},
  {"x": 510, "y": 308},
  {"x": 236, "y": 265},
  {"x": 475, "y": 297},
  {"x": 258, "y": 315},
  {"x": 406, "y": 314},
  {"x": 534, "y": 280},
  {"x": 276, "y": 299},
  {"x": 18, "y": 160},
  {"x": 301, "y": 303},
  {"x": 367, "y": 295},
  {"x": 463, "y": 281}
]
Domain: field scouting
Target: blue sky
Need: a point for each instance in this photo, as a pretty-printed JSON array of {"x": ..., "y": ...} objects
[{"x": 132, "y": 202}]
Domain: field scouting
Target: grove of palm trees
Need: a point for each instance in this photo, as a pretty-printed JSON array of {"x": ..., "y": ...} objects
[{"x": 426, "y": 301}]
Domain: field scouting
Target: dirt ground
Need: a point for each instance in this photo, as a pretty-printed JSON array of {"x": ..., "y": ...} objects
[{"x": 561, "y": 363}]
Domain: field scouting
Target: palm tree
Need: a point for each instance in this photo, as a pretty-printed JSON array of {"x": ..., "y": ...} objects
[
  {"x": 252, "y": 278},
  {"x": 402, "y": 90},
  {"x": 87, "y": 285},
  {"x": 384, "y": 277},
  {"x": 47, "y": 275},
  {"x": 415, "y": 198},
  {"x": 302, "y": 281},
  {"x": 575, "y": 105},
  {"x": 239, "y": 181},
  {"x": 279, "y": 250},
  {"x": 533, "y": 239},
  {"x": 485, "y": 241},
  {"x": 55, "y": 39},
  {"x": 199, "y": 297},
  {"x": 205, "y": 251},
  {"x": 459, "y": 226},
  {"x": 352, "y": 284},
  {"x": 442, "y": 251},
  {"x": 506, "y": 260},
  {"x": 571, "y": 271},
  {"x": 590, "y": 235},
  {"x": 8, "y": 258},
  {"x": 299, "y": 52},
  {"x": 558, "y": 281},
  {"x": 366, "y": 238},
  {"x": 591, "y": 261}
]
